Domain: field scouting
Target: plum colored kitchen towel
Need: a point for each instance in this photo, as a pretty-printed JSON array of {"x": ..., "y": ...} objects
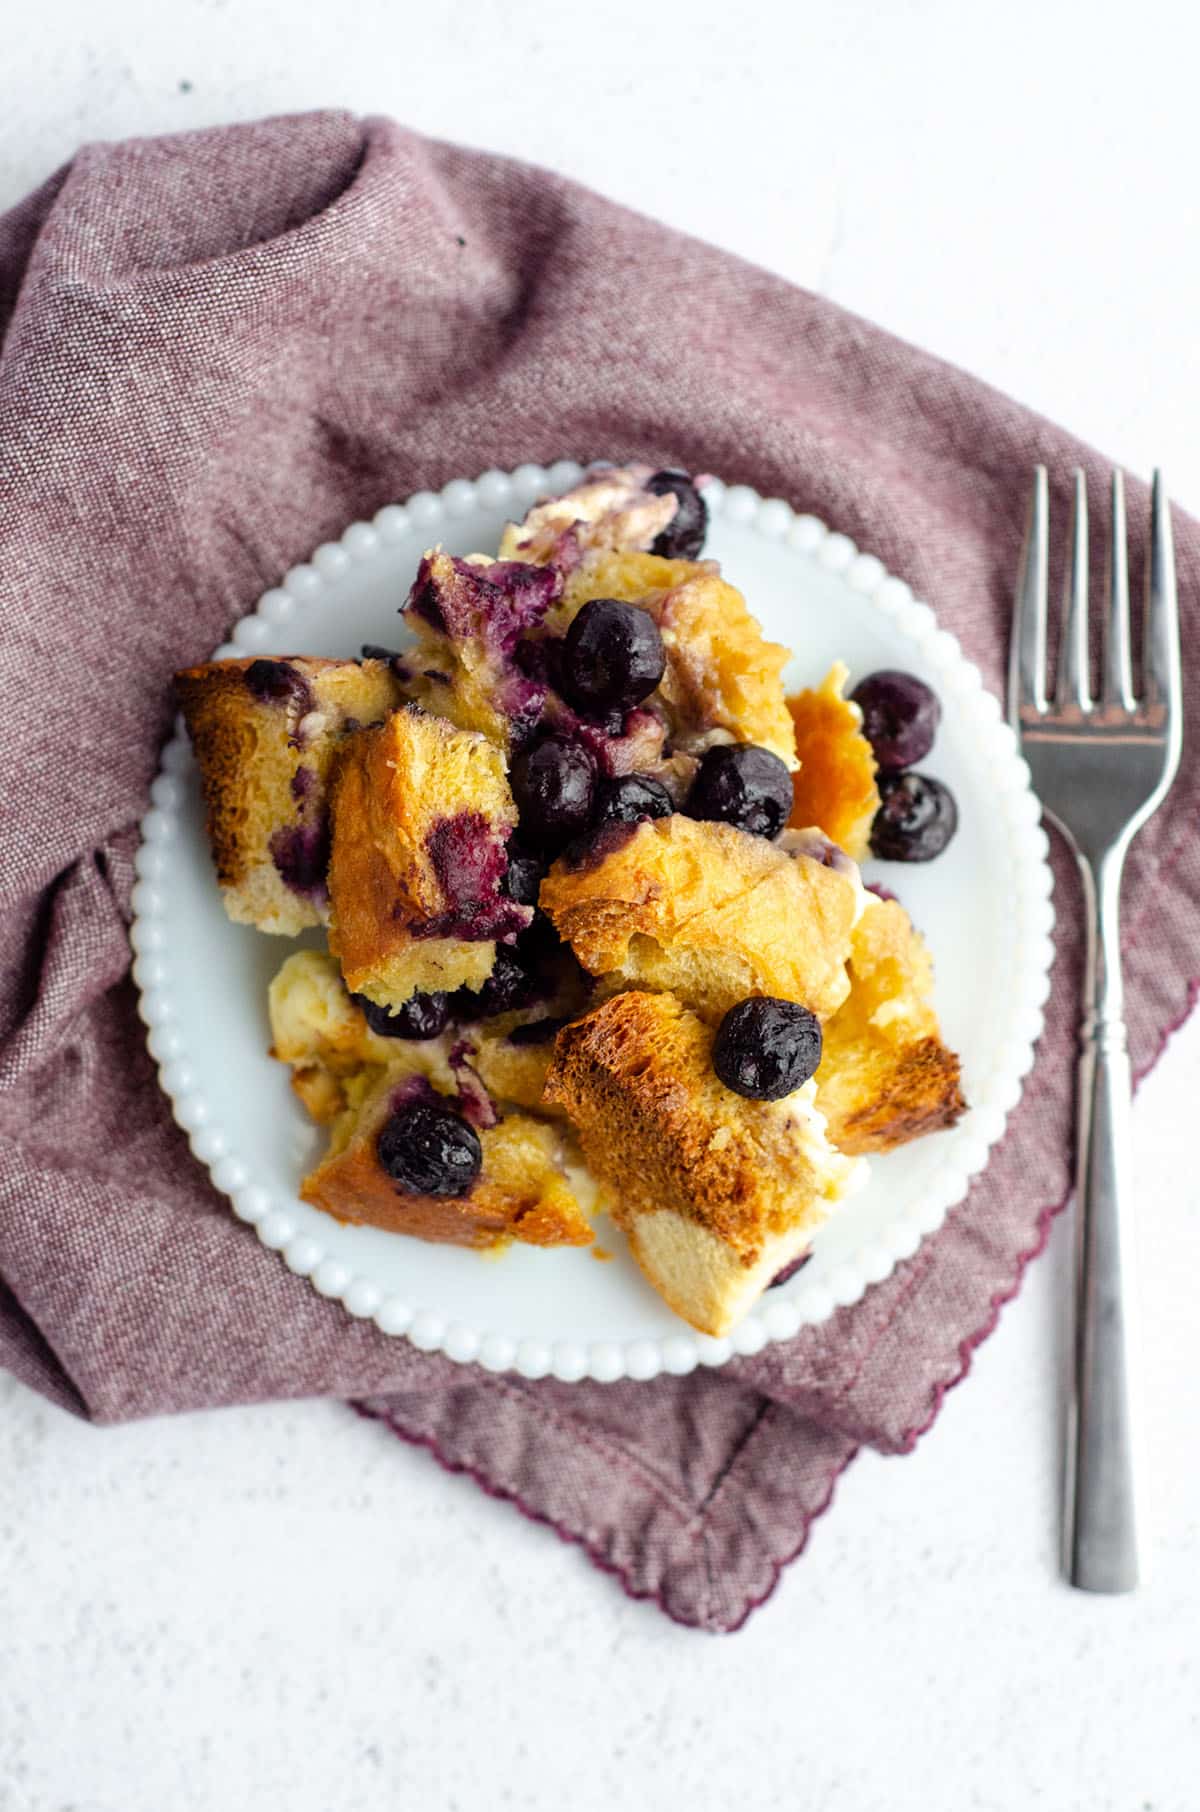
[{"x": 217, "y": 350}]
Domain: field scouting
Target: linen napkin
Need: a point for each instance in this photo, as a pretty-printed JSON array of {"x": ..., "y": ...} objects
[{"x": 217, "y": 350}]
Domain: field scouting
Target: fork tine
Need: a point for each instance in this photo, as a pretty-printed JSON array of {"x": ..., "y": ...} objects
[
  {"x": 1118, "y": 673},
  {"x": 1027, "y": 652},
  {"x": 1161, "y": 663},
  {"x": 1073, "y": 687}
]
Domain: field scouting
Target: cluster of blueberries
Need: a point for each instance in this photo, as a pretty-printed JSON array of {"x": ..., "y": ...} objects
[{"x": 917, "y": 815}]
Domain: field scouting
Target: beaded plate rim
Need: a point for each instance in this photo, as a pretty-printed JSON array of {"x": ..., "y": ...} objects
[{"x": 804, "y": 1303}]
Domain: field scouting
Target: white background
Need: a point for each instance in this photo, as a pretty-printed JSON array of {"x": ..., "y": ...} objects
[{"x": 284, "y": 1606}]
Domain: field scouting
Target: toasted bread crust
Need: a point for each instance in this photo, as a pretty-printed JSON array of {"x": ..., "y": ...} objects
[
  {"x": 222, "y": 722},
  {"x": 885, "y": 1076},
  {"x": 723, "y": 679},
  {"x": 913, "y": 1091},
  {"x": 521, "y": 1192},
  {"x": 707, "y": 912},
  {"x": 394, "y": 791},
  {"x": 263, "y": 768},
  {"x": 835, "y": 787},
  {"x": 635, "y": 1077}
]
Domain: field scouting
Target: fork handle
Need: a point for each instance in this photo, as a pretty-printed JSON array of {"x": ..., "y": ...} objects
[{"x": 1103, "y": 1472}]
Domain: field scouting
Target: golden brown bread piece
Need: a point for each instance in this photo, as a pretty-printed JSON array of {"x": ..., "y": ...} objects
[
  {"x": 467, "y": 616},
  {"x": 716, "y": 1193},
  {"x": 522, "y": 1192},
  {"x": 325, "y": 1036},
  {"x": 707, "y": 912},
  {"x": 835, "y": 787},
  {"x": 264, "y": 733},
  {"x": 885, "y": 1075},
  {"x": 511, "y": 1052},
  {"x": 610, "y": 509},
  {"x": 514, "y": 1072},
  {"x": 421, "y": 814},
  {"x": 722, "y": 682}
]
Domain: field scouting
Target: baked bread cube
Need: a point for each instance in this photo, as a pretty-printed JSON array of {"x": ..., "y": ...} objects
[
  {"x": 707, "y": 912},
  {"x": 421, "y": 815},
  {"x": 324, "y": 1034},
  {"x": 723, "y": 678},
  {"x": 265, "y": 733},
  {"x": 521, "y": 1192},
  {"x": 610, "y": 510},
  {"x": 716, "y": 1194},
  {"x": 467, "y": 616},
  {"x": 885, "y": 1076},
  {"x": 834, "y": 787}
]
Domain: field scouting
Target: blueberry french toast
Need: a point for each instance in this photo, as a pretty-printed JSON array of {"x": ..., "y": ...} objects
[{"x": 596, "y": 930}]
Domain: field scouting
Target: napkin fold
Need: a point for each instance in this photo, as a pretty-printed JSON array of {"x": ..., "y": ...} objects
[{"x": 216, "y": 350}]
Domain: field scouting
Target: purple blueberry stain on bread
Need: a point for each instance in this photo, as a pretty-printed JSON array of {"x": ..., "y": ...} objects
[
  {"x": 304, "y": 784},
  {"x": 278, "y": 683},
  {"x": 496, "y": 603},
  {"x": 817, "y": 847},
  {"x": 466, "y": 857},
  {"x": 470, "y": 862},
  {"x": 300, "y": 852},
  {"x": 522, "y": 698},
  {"x": 475, "y": 1104},
  {"x": 410, "y": 1091}
]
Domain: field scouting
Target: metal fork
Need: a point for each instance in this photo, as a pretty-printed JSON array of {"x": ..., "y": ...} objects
[{"x": 1100, "y": 768}]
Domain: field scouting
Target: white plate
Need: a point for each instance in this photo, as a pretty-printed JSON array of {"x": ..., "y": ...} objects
[{"x": 984, "y": 906}]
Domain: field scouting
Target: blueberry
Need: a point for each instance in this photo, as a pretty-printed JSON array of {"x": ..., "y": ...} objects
[
  {"x": 514, "y": 982},
  {"x": 683, "y": 537},
  {"x": 421, "y": 1016},
  {"x": 916, "y": 819},
  {"x": 766, "y": 1049},
  {"x": 430, "y": 1150},
  {"x": 789, "y": 1271},
  {"x": 553, "y": 784},
  {"x": 523, "y": 876},
  {"x": 631, "y": 798},
  {"x": 739, "y": 783},
  {"x": 536, "y": 1031},
  {"x": 900, "y": 717},
  {"x": 612, "y": 657}
]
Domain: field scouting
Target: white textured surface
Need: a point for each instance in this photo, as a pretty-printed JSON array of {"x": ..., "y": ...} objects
[{"x": 283, "y": 1606}]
